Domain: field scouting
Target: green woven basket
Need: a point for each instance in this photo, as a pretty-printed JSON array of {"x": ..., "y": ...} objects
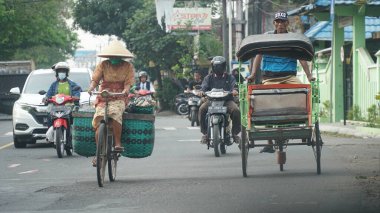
[
  {"x": 137, "y": 138},
  {"x": 83, "y": 133},
  {"x": 142, "y": 110}
]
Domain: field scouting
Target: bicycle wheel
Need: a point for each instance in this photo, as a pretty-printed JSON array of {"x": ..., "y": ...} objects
[
  {"x": 317, "y": 146},
  {"x": 101, "y": 154},
  {"x": 59, "y": 143},
  {"x": 244, "y": 149},
  {"x": 112, "y": 159}
]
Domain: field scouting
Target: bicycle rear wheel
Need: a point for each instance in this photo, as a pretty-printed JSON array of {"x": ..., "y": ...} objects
[
  {"x": 101, "y": 154},
  {"x": 112, "y": 159}
]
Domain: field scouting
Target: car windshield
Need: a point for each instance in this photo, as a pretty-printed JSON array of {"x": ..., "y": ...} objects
[{"x": 43, "y": 81}]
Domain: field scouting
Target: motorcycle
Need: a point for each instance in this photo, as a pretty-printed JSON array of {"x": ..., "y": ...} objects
[
  {"x": 218, "y": 121},
  {"x": 181, "y": 104},
  {"x": 60, "y": 114},
  {"x": 194, "y": 102}
]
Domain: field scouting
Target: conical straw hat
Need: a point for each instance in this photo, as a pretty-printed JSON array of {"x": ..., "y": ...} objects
[{"x": 115, "y": 48}]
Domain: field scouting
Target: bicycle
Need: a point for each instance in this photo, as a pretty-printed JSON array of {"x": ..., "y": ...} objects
[{"x": 105, "y": 152}]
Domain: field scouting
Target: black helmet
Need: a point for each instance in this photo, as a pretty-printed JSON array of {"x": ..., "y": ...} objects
[{"x": 218, "y": 64}]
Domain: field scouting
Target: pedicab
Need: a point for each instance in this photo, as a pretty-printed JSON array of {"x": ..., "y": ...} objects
[
  {"x": 287, "y": 114},
  {"x": 137, "y": 136}
]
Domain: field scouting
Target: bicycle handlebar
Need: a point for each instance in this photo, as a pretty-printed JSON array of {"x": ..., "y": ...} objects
[{"x": 106, "y": 93}]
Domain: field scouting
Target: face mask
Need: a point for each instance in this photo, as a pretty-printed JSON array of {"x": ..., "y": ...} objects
[
  {"x": 115, "y": 61},
  {"x": 61, "y": 75}
]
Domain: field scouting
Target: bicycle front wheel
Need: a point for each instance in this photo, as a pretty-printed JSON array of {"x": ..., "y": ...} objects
[
  {"x": 101, "y": 154},
  {"x": 112, "y": 159}
]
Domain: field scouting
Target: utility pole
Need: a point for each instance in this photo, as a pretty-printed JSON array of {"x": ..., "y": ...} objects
[
  {"x": 224, "y": 31},
  {"x": 239, "y": 23}
]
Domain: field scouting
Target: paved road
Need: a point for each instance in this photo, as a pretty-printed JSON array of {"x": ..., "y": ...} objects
[{"x": 183, "y": 176}]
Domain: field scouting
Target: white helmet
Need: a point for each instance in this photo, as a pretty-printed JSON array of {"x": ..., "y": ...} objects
[
  {"x": 61, "y": 66},
  {"x": 143, "y": 73}
]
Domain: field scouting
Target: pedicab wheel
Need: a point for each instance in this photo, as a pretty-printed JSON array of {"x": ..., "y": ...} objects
[
  {"x": 216, "y": 141},
  {"x": 112, "y": 160},
  {"x": 317, "y": 146},
  {"x": 101, "y": 155},
  {"x": 244, "y": 149},
  {"x": 59, "y": 145}
]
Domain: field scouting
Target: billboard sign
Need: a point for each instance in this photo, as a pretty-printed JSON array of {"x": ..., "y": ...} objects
[{"x": 198, "y": 18}]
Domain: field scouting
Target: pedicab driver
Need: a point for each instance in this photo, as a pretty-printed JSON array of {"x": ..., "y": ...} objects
[
  {"x": 278, "y": 70},
  {"x": 115, "y": 75}
]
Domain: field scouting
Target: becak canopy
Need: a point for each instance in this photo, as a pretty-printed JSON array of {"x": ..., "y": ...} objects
[{"x": 292, "y": 45}]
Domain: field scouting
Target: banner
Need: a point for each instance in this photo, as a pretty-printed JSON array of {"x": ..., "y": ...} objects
[{"x": 198, "y": 18}]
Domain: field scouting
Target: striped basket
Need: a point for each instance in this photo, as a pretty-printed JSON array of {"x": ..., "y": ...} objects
[
  {"x": 137, "y": 136},
  {"x": 83, "y": 133},
  {"x": 141, "y": 110}
]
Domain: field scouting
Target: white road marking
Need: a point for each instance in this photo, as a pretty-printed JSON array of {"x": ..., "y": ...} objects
[
  {"x": 193, "y": 127},
  {"x": 189, "y": 140},
  {"x": 14, "y": 165},
  {"x": 46, "y": 159},
  {"x": 8, "y": 133},
  {"x": 169, "y": 128},
  {"x": 6, "y": 145},
  {"x": 28, "y": 172}
]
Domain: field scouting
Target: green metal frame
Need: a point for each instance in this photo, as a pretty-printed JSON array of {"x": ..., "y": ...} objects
[{"x": 284, "y": 131}]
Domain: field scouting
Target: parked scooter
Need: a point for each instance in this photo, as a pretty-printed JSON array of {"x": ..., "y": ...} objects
[
  {"x": 194, "y": 102},
  {"x": 181, "y": 104},
  {"x": 218, "y": 121}
]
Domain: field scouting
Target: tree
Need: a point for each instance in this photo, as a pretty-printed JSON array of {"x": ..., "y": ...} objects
[
  {"x": 35, "y": 30},
  {"x": 104, "y": 17}
]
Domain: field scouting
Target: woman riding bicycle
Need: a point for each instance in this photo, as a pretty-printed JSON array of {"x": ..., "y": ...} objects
[{"x": 115, "y": 75}]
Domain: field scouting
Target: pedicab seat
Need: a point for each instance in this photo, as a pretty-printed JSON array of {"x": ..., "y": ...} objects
[{"x": 277, "y": 104}]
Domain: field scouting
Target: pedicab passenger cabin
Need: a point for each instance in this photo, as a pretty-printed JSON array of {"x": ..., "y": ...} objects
[{"x": 279, "y": 112}]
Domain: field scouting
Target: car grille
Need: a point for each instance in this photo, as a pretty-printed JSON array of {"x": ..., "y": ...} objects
[
  {"x": 39, "y": 131},
  {"x": 40, "y": 117}
]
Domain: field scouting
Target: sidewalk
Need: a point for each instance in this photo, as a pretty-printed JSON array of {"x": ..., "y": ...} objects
[
  {"x": 4, "y": 117},
  {"x": 350, "y": 130}
]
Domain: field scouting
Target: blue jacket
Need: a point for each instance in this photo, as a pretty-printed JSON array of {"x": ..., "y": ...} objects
[{"x": 54, "y": 88}]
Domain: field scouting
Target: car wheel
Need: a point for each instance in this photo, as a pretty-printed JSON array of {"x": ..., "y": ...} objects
[{"x": 17, "y": 143}]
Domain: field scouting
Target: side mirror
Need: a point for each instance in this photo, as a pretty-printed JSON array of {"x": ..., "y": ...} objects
[
  {"x": 15, "y": 90},
  {"x": 42, "y": 92}
]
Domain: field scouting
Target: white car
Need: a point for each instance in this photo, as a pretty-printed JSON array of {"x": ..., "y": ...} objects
[{"x": 29, "y": 115}]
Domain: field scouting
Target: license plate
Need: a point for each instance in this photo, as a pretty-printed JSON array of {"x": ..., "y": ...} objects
[{"x": 217, "y": 109}]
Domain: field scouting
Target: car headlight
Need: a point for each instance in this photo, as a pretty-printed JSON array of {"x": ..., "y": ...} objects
[{"x": 25, "y": 107}]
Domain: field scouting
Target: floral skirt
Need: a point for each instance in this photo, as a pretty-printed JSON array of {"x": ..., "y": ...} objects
[{"x": 115, "y": 111}]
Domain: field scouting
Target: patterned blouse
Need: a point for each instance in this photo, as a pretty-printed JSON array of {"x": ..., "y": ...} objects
[{"x": 114, "y": 78}]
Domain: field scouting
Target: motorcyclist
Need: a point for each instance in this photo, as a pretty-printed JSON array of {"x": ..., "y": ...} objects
[
  {"x": 220, "y": 79},
  {"x": 62, "y": 85},
  {"x": 197, "y": 81},
  {"x": 143, "y": 83}
]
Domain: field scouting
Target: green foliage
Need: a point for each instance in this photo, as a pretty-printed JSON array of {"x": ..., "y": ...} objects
[
  {"x": 325, "y": 111},
  {"x": 210, "y": 45},
  {"x": 355, "y": 114},
  {"x": 373, "y": 116},
  {"x": 29, "y": 29},
  {"x": 105, "y": 17},
  {"x": 166, "y": 94}
]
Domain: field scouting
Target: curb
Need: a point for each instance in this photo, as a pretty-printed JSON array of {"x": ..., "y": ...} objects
[{"x": 356, "y": 131}]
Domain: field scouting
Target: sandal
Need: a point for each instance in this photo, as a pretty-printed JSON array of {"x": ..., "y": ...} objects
[
  {"x": 119, "y": 149},
  {"x": 93, "y": 162}
]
